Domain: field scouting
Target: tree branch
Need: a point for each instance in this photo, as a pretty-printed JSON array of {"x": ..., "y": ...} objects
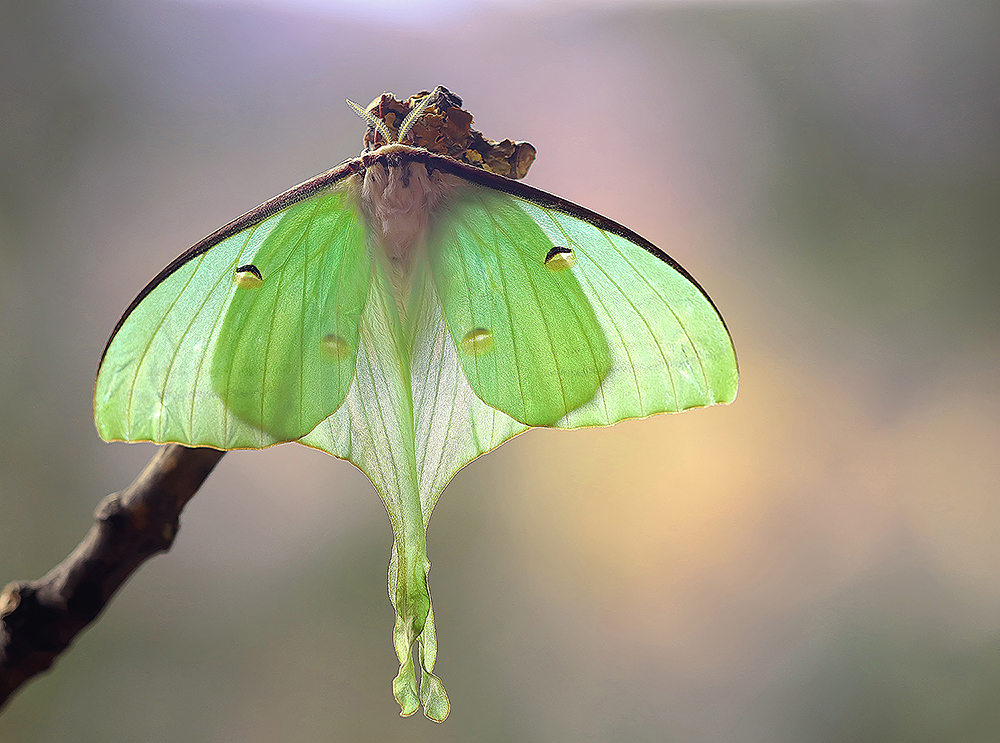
[{"x": 39, "y": 619}]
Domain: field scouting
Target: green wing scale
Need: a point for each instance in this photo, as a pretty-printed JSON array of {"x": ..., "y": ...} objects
[
  {"x": 561, "y": 323},
  {"x": 527, "y": 337},
  {"x": 223, "y": 350},
  {"x": 284, "y": 359},
  {"x": 518, "y": 309},
  {"x": 671, "y": 350}
]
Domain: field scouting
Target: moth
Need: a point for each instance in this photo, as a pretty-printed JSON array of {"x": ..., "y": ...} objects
[{"x": 408, "y": 311}]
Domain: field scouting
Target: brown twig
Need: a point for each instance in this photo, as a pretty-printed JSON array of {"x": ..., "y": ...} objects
[{"x": 39, "y": 619}]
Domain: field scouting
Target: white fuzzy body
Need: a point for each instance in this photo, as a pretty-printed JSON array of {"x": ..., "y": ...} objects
[{"x": 398, "y": 201}]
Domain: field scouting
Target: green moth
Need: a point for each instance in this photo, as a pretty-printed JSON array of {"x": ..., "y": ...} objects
[{"x": 407, "y": 311}]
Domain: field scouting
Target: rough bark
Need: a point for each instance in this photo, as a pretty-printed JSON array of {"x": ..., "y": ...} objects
[{"x": 39, "y": 619}]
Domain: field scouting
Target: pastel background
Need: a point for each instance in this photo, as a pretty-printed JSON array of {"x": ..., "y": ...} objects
[{"x": 817, "y": 562}]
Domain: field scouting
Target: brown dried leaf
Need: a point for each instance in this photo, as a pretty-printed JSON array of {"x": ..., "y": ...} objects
[{"x": 445, "y": 128}]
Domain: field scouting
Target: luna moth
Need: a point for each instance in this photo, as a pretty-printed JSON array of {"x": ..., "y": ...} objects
[{"x": 408, "y": 311}]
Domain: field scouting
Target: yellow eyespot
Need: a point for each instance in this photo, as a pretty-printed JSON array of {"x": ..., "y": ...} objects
[
  {"x": 559, "y": 259},
  {"x": 334, "y": 347},
  {"x": 477, "y": 341}
]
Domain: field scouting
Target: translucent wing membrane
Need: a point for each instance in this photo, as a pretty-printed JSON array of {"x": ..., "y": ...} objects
[
  {"x": 183, "y": 365},
  {"x": 670, "y": 349},
  {"x": 375, "y": 429},
  {"x": 519, "y": 315},
  {"x": 527, "y": 336},
  {"x": 286, "y": 349},
  {"x": 558, "y": 322}
]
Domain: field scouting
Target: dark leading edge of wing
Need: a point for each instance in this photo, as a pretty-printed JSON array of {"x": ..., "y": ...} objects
[
  {"x": 399, "y": 155},
  {"x": 559, "y": 204}
]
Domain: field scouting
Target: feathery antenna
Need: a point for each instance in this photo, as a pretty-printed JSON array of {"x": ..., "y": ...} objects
[
  {"x": 411, "y": 118},
  {"x": 373, "y": 120}
]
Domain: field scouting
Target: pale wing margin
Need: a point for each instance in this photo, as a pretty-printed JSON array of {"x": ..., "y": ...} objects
[
  {"x": 670, "y": 349},
  {"x": 155, "y": 382}
]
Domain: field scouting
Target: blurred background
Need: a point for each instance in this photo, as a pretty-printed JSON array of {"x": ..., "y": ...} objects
[{"x": 817, "y": 562}]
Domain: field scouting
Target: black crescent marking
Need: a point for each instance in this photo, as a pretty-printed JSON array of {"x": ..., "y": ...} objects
[
  {"x": 394, "y": 155},
  {"x": 557, "y": 250},
  {"x": 250, "y": 268}
]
